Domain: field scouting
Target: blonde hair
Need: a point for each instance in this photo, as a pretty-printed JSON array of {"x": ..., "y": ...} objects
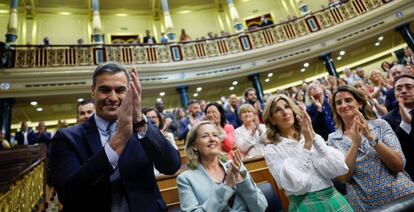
[
  {"x": 360, "y": 97},
  {"x": 193, "y": 156},
  {"x": 273, "y": 131},
  {"x": 376, "y": 72},
  {"x": 246, "y": 108}
]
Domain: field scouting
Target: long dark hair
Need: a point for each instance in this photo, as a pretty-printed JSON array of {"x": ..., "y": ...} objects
[
  {"x": 360, "y": 97},
  {"x": 221, "y": 110}
]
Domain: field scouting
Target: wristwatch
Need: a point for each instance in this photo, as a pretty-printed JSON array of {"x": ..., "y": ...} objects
[
  {"x": 140, "y": 123},
  {"x": 374, "y": 142}
]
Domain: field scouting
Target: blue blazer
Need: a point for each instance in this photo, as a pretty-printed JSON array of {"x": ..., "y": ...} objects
[
  {"x": 81, "y": 170},
  {"x": 183, "y": 129},
  {"x": 198, "y": 192}
]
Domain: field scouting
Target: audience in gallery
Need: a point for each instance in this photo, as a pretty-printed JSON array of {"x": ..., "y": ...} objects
[
  {"x": 372, "y": 152},
  {"x": 251, "y": 135},
  {"x": 148, "y": 38},
  {"x": 184, "y": 37},
  {"x": 213, "y": 183},
  {"x": 216, "y": 115},
  {"x": 299, "y": 159},
  {"x": 163, "y": 38}
]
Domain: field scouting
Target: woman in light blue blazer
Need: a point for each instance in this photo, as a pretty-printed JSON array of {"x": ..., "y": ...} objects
[{"x": 212, "y": 183}]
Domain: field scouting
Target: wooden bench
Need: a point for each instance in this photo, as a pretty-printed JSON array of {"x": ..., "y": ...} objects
[{"x": 256, "y": 166}]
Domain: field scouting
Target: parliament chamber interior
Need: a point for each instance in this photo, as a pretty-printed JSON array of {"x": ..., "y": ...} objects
[{"x": 310, "y": 102}]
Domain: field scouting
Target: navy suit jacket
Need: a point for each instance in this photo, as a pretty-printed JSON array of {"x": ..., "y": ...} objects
[
  {"x": 183, "y": 129},
  {"x": 406, "y": 140},
  {"x": 390, "y": 100},
  {"x": 81, "y": 169},
  {"x": 46, "y": 138},
  {"x": 31, "y": 137}
]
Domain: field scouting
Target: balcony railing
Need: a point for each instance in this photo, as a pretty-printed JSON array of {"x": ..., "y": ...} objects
[{"x": 86, "y": 55}]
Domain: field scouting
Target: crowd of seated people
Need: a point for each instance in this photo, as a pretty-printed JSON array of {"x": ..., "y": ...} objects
[{"x": 356, "y": 130}]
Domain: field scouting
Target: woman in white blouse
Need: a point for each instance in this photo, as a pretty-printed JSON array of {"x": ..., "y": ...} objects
[
  {"x": 300, "y": 161},
  {"x": 251, "y": 136}
]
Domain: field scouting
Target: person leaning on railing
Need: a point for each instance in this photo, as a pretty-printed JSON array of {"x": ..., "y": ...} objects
[{"x": 372, "y": 152}]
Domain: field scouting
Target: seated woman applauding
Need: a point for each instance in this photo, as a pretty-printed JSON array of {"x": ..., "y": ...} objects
[
  {"x": 212, "y": 184},
  {"x": 251, "y": 136},
  {"x": 372, "y": 152},
  {"x": 300, "y": 161}
]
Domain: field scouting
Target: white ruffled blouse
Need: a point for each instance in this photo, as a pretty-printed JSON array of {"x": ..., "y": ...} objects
[{"x": 298, "y": 170}]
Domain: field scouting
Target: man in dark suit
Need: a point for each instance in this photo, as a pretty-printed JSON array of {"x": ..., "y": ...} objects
[
  {"x": 42, "y": 136},
  {"x": 395, "y": 71},
  {"x": 194, "y": 116},
  {"x": 107, "y": 163},
  {"x": 401, "y": 118},
  {"x": 232, "y": 113},
  {"x": 26, "y": 135},
  {"x": 149, "y": 39}
]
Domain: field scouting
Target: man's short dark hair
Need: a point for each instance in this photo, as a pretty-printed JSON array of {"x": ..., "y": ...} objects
[
  {"x": 247, "y": 91},
  {"x": 109, "y": 68},
  {"x": 82, "y": 103},
  {"x": 403, "y": 76},
  {"x": 192, "y": 101}
]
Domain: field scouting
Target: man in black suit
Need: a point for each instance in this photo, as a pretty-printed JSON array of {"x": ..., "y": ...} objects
[
  {"x": 26, "y": 135},
  {"x": 107, "y": 163},
  {"x": 149, "y": 39},
  {"x": 395, "y": 71},
  {"x": 401, "y": 118},
  {"x": 42, "y": 136}
]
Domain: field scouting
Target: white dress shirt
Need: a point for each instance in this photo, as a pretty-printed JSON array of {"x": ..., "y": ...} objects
[
  {"x": 298, "y": 170},
  {"x": 251, "y": 145},
  {"x": 102, "y": 125}
]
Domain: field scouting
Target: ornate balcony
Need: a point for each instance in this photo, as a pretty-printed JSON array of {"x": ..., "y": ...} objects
[{"x": 68, "y": 67}]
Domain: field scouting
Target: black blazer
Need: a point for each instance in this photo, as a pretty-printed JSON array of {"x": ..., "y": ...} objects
[
  {"x": 81, "y": 169},
  {"x": 31, "y": 137},
  {"x": 406, "y": 140}
]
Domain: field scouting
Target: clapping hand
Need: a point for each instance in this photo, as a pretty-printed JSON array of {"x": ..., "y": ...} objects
[
  {"x": 318, "y": 102},
  {"x": 124, "y": 132},
  {"x": 405, "y": 115},
  {"x": 363, "y": 125},
  {"x": 233, "y": 172},
  {"x": 137, "y": 116},
  {"x": 307, "y": 128}
]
